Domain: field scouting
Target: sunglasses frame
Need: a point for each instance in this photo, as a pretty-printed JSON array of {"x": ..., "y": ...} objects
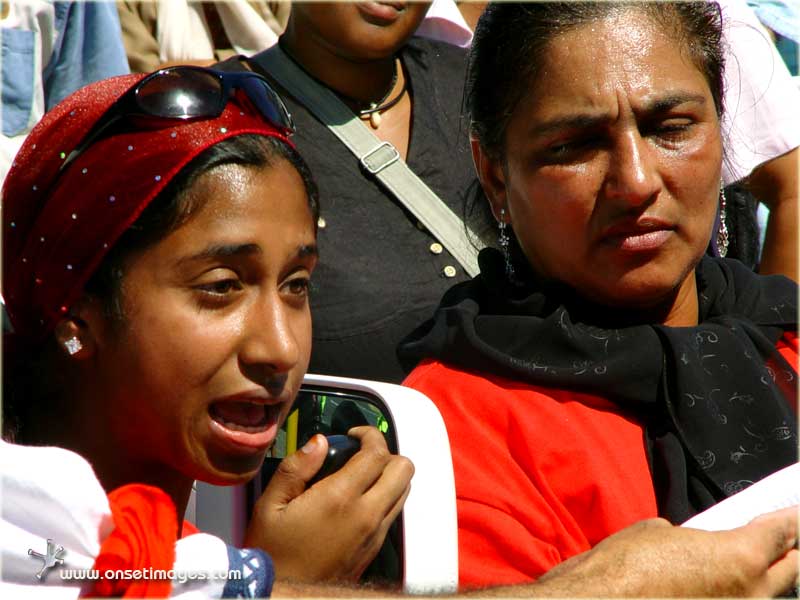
[{"x": 128, "y": 105}]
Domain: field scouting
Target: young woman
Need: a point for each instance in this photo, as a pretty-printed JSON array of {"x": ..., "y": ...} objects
[
  {"x": 599, "y": 371},
  {"x": 159, "y": 234}
]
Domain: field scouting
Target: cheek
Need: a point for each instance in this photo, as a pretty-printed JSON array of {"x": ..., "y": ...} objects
[
  {"x": 179, "y": 347},
  {"x": 303, "y": 336},
  {"x": 550, "y": 209},
  {"x": 148, "y": 378},
  {"x": 695, "y": 182}
]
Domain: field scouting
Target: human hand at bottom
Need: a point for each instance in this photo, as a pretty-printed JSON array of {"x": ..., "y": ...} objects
[
  {"x": 653, "y": 558},
  {"x": 331, "y": 531}
]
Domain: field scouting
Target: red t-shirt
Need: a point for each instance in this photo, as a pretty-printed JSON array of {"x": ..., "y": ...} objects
[{"x": 541, "y": 474}]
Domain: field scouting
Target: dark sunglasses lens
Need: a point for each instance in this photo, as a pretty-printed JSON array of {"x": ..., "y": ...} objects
[
  {"x": 181, "y": 94},
  {"x": 268, "y": 102}
]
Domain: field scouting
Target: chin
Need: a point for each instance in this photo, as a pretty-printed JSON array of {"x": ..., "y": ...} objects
[
  {"x": 650, "y": 300},
  {"x": 226, "y": 479},
  {"x": 648, "y": 286},
  {"x": 229, "y": 470}
]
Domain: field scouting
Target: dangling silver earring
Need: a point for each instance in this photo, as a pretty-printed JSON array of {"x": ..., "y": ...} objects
[
  {"x": 722, "y": 233},
  {"x": 504, "y": 241},
  {"x": 73, "y": 345}
]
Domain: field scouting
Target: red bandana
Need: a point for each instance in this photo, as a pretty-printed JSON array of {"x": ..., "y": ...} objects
[{"x": 57, "y": 228}]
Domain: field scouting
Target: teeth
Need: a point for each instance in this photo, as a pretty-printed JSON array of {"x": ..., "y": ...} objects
[{"x": 237, "y": 427}]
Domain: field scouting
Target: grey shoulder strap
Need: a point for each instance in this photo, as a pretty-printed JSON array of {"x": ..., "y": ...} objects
[{"x": 378, "y": 157}]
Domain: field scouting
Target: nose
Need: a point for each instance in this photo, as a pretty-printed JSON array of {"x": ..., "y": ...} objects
[
  {"x": 270, "y": 343},
  {"x": 632, "y": 178}
]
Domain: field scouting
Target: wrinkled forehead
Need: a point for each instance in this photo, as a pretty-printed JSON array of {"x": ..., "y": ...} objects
[{"x": 624, "y": 54}]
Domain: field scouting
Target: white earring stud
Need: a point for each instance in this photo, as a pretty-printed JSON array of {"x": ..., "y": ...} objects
[{"x": 73, "y": 345}]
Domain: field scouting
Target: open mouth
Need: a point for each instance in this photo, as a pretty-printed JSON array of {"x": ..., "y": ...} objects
[
  {"x": 244, "y": 424},
  {"x": 249, "y": 417}
]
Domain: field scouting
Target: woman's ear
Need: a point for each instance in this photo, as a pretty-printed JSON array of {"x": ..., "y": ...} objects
[
  {"x": 80, "y": 331},
  {"x": 492, "y": 178}
]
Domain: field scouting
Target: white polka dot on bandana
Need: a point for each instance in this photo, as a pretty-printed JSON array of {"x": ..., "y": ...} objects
[
  {"x": 174, "y": 134},
  {"x": 130, "y": 148},
  {"x": 157, "y": 178},
  {"x": 223, "y": 130},
  {"x": 84, "y": 170},
  {"x": 112, "y": 198},
  {"x": 69, "y": 267},
  {"x": 74, "y": 216}
]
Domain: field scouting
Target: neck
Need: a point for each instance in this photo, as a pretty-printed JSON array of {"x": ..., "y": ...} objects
[
  {"x": 364, "y": 81},
  {"x": 471, "y": 11},
  {"x": 113, "y": 469},
  {"x": 684, "y": 311},
  {"x": 173, "y": 483},
  {"x": 680, "y": 309}
]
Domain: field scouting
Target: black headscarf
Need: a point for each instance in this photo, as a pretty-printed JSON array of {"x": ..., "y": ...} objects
[{"x": 717, "y": 401}]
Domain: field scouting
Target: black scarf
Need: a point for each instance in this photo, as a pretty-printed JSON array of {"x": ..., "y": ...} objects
[{"x": 717, "y": 401}]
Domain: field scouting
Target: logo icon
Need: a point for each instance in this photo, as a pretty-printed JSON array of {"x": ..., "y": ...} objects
[{"x": 53, "y": 557}]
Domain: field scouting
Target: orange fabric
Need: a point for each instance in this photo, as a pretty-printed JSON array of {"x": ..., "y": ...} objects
[
  {"x": 522, "y": 456},
  {"x": 188, "y": 529},
  {"x": 541, "y": 474},
  {"x": 146, "y": 529},
  {"x": 789, "y": 347}
]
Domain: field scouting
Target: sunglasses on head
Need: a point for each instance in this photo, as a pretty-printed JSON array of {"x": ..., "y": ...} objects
[{"x": 185, "y": 93}]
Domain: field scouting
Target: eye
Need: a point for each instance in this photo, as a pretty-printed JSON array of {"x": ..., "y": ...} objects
[
  {"x": 298, "y": 286},
  {"x": 219, "y": 290},
  {"x": 560, "y": 149},
  {"x": 673, "y": 129},
  {"x": 571, "y": 150}
]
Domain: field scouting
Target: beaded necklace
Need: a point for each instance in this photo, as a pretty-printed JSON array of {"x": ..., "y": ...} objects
[{"x": 373, "y": 110}]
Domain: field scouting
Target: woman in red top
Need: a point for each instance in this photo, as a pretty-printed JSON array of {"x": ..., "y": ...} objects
[
  {"x": 159, "y": 234},
  {"x": 600, "y": 370}
]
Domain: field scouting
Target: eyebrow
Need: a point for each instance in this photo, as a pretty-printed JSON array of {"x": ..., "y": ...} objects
[
  {"x": 665, "y": 103},
  {"x": 585, "y": 121},
  {"x": 219, "y": 251},
  {"x": 589, "y": 121},
  {"x": 307, "y": 250}
]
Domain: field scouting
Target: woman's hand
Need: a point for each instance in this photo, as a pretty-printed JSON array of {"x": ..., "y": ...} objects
[
  {"x": 652, "y": 558},
  {"x": 331, "y": 531}
]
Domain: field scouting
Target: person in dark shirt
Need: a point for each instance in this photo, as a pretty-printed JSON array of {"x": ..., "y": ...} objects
[{"x": 381, "y": 273}]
